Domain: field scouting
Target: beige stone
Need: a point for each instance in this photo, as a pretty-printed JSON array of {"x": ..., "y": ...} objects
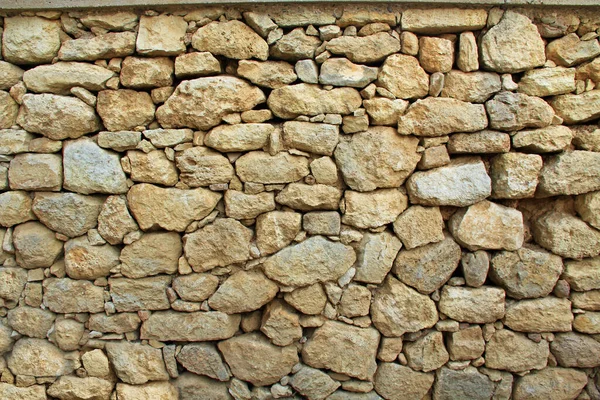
[
  {"x": 152, "y": 254},
  {"x": 240, "y": 137},
  {"x": 120, "y": 140},
  {"x": 30, "y": 40},
  {"x": 311, "y": 137},
  {"x": 253, "y": 358},
  {"x": 161, "y": 138},
  {"x": 544, "y": 140},
  {"x": 124, "y": 109},
  {"x": 112, "y": 21},
  {"x": 162, "y": 35},
  {"x": 566, "y": 235},
  {"x": 281, "y": 324},
  {"x": 61, "y": 77},
  {"x": 72, "y": 388},
  {"x": 308, "y": 300},
  {"x": 35, "y": 172},
  {"x": 397, "y": 382},
  {"x": 203, "y": 359},
  {"x": 367, "y": 49},
  {"x": 573, "y": 349},
  {"x": 68, "y": 213},
  {"x": 418, "y": 226},
  {"x": 13, "y": 141},
  {"x": 243, "y": 291},
  {"x": 38, "y": 357},
  {"x": 563, "y": 174},
  {"x": 588, "y": 322},
  {"x": 201, "y": 166},
  {"x": 114, "y": 220},
  {"x": 140, "y": 294},
  {"x": 373, "y": 209},
  {"x": 467, "y": 59},
  {"x": 384, "y": 111},
  {"x": 463, "y": 383},
  {"x": 146, "y": 73},
  {"x": 548, "y": 314},
  {"x": 514, "y": 352},
  {"x": 426, "y": 353},
  {"x": 189, "y": 326},
  {"x": 513, "y": 45},
  {"x": 514, "y": 175},
  {"x": 310, "y": 197},
  {"x": 466, "y": 344},
  {"x": 11, "y": 392},
  {"x": 375, "y": 255},
  {"x": 514, "y": 111},
  {"x": 589, "y": 301},
  {"x": 569, "y": 50},
  {"x": 475, "y": 305},
  {"x": 577, "y": 108},
  {"x": 475, "y": 87},
  {"x": 403, "y": 77},
  {"x": 295, "y": 46},
  {"x": 136, "y": 363},
  {"x": 29, "y": 321},
  {"x": 293, "y": 16},
  {"x": 239, "y": 205},
  {"x": 10, "y": 75},
  {"x": 586, "y": 206},
  {"x": 582, "y": 275},
  {"x": 261, "y": 167},
  {"x": 483, "y": 142},
  {"x": 191, "y": 386},
  {"x": 341, "y": 72},
  {"x": 270, "y": 74},
  {"x": 9, "y": 110},
  {"x": 550, "y": 383},
  {"x": 84, "y": 261},
  {"x": 106, "y": 46},
  {"x": 195, "y": 287},
  {"x": 232, "y": 39},
  {"x": 116, "y": 323},
  {"x": 276, "y": 229},
  {"x": 313, "y": 383},
  {"x": 355, "y": 301},
  {"x": 443, "y": 20},
  {"x": 154, "y": 207},
  {"x": 35, "y": 245},
  {"x": 15, "y": 208},
  {"x": 436, "y": 54},
  {"x": 397, "y": 309},
  {"x": 57, "y": 117},
  {"x": 153, "y": 167},
  {"x": 194, "y": 65},
  {"x": 322, "y": 223},
  {"x": 547, "y": 81},
  {"x": 13, "y": 281},
  {"x": 148, "y": 391}
]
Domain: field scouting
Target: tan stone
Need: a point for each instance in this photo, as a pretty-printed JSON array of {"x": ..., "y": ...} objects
[
  {"x": 355, "y": 301},
  {"x": 15, "y": 208},
  {"x": 253, "y": 358},
  {"x": 373, "y": 209},
  {"x": 467, "y": 59},
  {"x": 479, "y": 142},
  {"x": 565, "y": 172},
  {"x": 29, "y": 321},
  {"x": 148, "y": 391},
  {"x": 189, "y": 326},
  {"x": 68, "y": 213},
  {"x": 30, "y": 40},
  {"x": 569, "y": 50},
  {"x": 443, "y": 20},
  {"x": 194, "y": 65},
  {"x": 276, "y": 229},
  {"x": 589, "y": 301},
  {"x": 124, "y": 109},
  {"x": 375, "y": 255},
  {"x": 550, "y": 383},
  {"x": 35, "y": 245},
  {"x": 384, "y": 111},
  {"x": 195, "y": 287},
  {"x": 514, "y": 175},
  {"x": 114, "y": 220},
  {"x": 514, "y": 352},
  {"x": 281, "y": 324},
  {"x": 11, "y": 392},
  {"x": 240, "y": 137},
  {"x": 73, "y": 388},
  {"x": 232, "y": 39},
  {"x": 548, "y": 314},
  {"x": 116, "y": 323},
  {"x": 294, "y": 46},
  {"x": 545, "y": 140},
  {"x": 397, "y": 309},
  {"x": 466, "y": 344},
  {"x": 192, "y": 386},
  {"x": 475, "y": 305},
  {"x": 10, "y": 75},
  {"x": 155, "y": 207},
  {"x": 112, "y": 21},
  {"x": 9, "y": 109},
  {"x": 85, "y": 261},
  {"x": 120, "y": 140},
  {"x": 136, "y": 363},
  {"x": 586, "y": 206},
  {"x": 547, "y": 81},
  {"x": 313, "y": 383},
  {"x": 61, "y": 77},
  {"x": 418, "y": 226},
  {"x": 140, "y": 294},
  {"x": 426, "y": 353},
  {"x": 106, "y": 46},
  {"x": 162, "y": 35},
  {"x": 341, "y": 72},
  {"x": 566, "y": 235},
  {"x": 13, "y": 141},
  {"x": 13, "y": 282},
  {"x": 514, "y": 111},
  {"x": 305, "y": 197},
  {"x": 146, "y": 73},
  {"x": 588, "y": 323},
  {"x": 201, "y": 166},
  {"x": 38, "y": 357},
  {"x": 403, "y": 77},
  {"x": 573, "y": 349},
  {"x": 292, "y": 16},
  {"x": 152, "y": 167},
  {"x": 582, "y": 275},
  {"x": 211, "y": 98},
  {"x": 436, "y": 54},
  {"x": 577, "y": 108},
  {"x": 152, "y": 254},
  {"x": 270, "y": 74},
  {"x": 366, "y": 49},
  {"x": 311, "y": 137},
  {"x": 168, "y": 137},
  {"x": 35, "y": 172},
  {"x": 397, "y": 382},
  {"x": 239, "y": 205},
  {"x": 475, "y": 87},
  {"x": 261, "y": 167},
  {"x": 463, "y": 383},
  {"x": 203, "y": 359},
  {"x": 308, "y": 300},
  {"x": 243, "y": 291}
]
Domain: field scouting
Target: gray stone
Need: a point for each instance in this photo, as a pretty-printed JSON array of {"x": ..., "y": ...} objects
[
  {"x": 514, "y": 111},
  {"x": 467, "y": 383}
]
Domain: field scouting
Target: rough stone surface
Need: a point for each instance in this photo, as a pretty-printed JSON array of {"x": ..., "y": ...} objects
[
  {"x": 375, "y": 254},
  {"x": 242, "y": 292},
  {"x": 475, "y": 305},
  {"x": 261, "y": 167},
  {"x": 373, "y": 209},
  {"x": 37, "y": 357},
  {"x": 232, "y": 39},
  {"x": 30, "y": 40},
  {"x": 403, "y": 77},
  {"x": 35, "y": 245},
  {"x": 106, "y": 46},
  {"x": 61, "y": 77},
  {"x": 514, "y": 352},
  {"x": 551, "y": 315},
  {"x": 366, "y": 49},
  {"x": 514, "y": 111},
  {"x": 566, "y": 235}
]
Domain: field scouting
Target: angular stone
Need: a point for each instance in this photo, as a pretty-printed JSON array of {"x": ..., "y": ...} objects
[
  {"x": 112, "y": 21},
  {"x": 189, "y": 326},
  {"x": 276, "y": 229},
  {"x": 588, "y": 322},
  {"x": 436, "y": 54},
  {"x": 474, "y": 305},
  {"x": 373, "y": 209},
  {"x": 467, "y": 59},
  {"x": 545, "y": 140},
  {"x": 152, "y": 254},
  {"x": 194, "y": 65},
  {"x": 12, "y": 283},
  {"x": 211, "y": 98},
  {"x": 443, "y": 20},
  {"x": 57, "y": 117},
  {"x": 322, "y": 223},
  {"x": 270, "y": 74},
  {"x": 461, "y": 183},
  {"x": 11, "y": 392},
  {"x": 195, "y": 287},
  {"x": 403, "y": 77},
  {"x": 292, "y": 16},
  {"x": 119, "y": 141},
  {"x": 547, "y": 81},
  {"x": 232, "y": 39},
  {"x": 426, "y": 353},
  {"x": 72, "y": 388},
  {"x": 550, "y": 383},
  {"x": 513, "y": 45},
  {"x": 305, "y": 197},
  {"x": 291, "y": 101},
  {"x": 377, "y": 158},
  {"x": 68, "y": 213},
  {"x": 341, "y": 72},
  {"x": 313, "y": 260},
  {"x": 152, "y": 167},
  {"x": 38, "y": 357},
  {"x": 514, "y": 111},
  {"x": 586, "y": 206},
  {"x": 29, "y": 321},
  {"x": 335, "y": 343},
  {"x": 30, "y": 40},
  {"x": 569, "y": 50},
  {"x": 243, "y": 291},
  {"x": 125, "y": 109},
  {"x": 203, "y": 359},
  {"x": 192, "y": 386},
  {"x": 84, "y": 261},
  {"x": 365, "y": 49},
  {"x": 114, "y": 220},
  {"x": 465, "y": 383},
  {"x": 577, "y": 108},
  {"x": 355, "y": 301},
  {"x": 15, "y": 208},
  {"x": 148, "y": 391},
  {"x": 239, "y": 205},
  {"x": 474, "y": 87},
  {"x": 261, "y": 167},
  {"x": 59, "y": 78},
  {"x": 428, "y": 267},
  {"x": 308, "y": 300},
  {"x": 295, "y": 46},
  {"x": 573, "y": 349},
  {"x": 590, "y": 70},
  {"x": 514, "y": 352},
  {"x": 162, "y": 35},
  {"x": 99, "y": 47},
  {"x": 13, "y": 141},
  {"x": 566, "y": 235},
  {"x": 117, "y": 323},
  {"x": 313, "y": 383},
  {"x": 311, "y": 137},
  {"x": 140, "y": 294},
  {"x": 73, "y": 296},
  {"x": 35, "y": 245},
  {"x": 384, "y": 111},
  {"x": 589, "y": 301},
  {"x": 203, "y": 248},
  {"x": 146, "y": 73},
  {"x": 88, "y": 168},
  {"x": 397, "y": 309},
  {"x": 10, "y": 75},
  {"x": 398, "y": 382},
  {"x": 281, "y": 324},
  {"x": 9, "y": 110},
  {"x": 201, "y": 166},
  {"x": 154, "y": 207},
  {"x": 136, "y": 363},
  {"x": 487, "y": 225},
  {"x": 375, "y": 254},
  {"x": 240, "y": 137},
  {"x": 479, "y": 142},
  {"x": 548, "y": 314},
  {"x": 418, "y": 226},
  {"x": 36, "y": 172},
  {"x": 466, "y": 344},
  {"x": 583, "y": 275},
  {"x": 573, "y": 172}
]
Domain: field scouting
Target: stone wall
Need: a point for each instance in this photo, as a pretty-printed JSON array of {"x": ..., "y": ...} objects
[{"x": 300, "y": 202}]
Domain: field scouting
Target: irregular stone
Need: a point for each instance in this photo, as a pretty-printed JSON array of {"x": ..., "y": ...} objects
[
  {"x": 125, "y": 109},
  {"x": 426, "y": 353},
  {"x": 148, "y": 391},
  {"x": 88, "y": 168},
  {"x": 311, "y": 137},
  {"x": 373, "y": 209},
  {"x": 152, "y": 254},
  {"x": 355, "y": 301},
  {"x": 582, "y": 275},
  {"x": 466, "y": 344},
  {"x": 162, "y": 35},
  {"x": 474, "y": 87},
  {"x": 573, "y": 349},
  {"x": 313, "y": 383},
  {"x": 375, "y": 254},
  {"x": 513, "y": 45},
  {"x": 295, "y": 46},
  {"x": 194, "y": 65},
  {"x": 154, "y": 207},
  {"x": 38, "y": 357},
  {"x": 474, "y": 305},
  {"x": 30, "y": 40},
  {"x": 261, "y": 167},
  {"x": 577, "y": 108},
  {"x": 292, "y": 16},
  {"x": 403, "y": 77},
  {"x": 308, "y": 300},
  {"x": 203, "y": 359},
  {"x": 589, "y": 301},
  {"x": 11, "y": 392},
  {"x": 514, "y": 352},
  {"x": 73, "y": 388},
  {"x": 253, "y": 358},
  {"x": 436, "y": 54},
  {"x": 547, "y": 81},
  {"x": 195, "y": 287},
  {"x": 335, "y": 343},
  {"x": 140, "y": 294},
  {"x": 443, "y": 20},
  {"x": 291, "y": 101},
  {"x": 548, "y": 314},
  {"x": 586, "y": 206},
  {"x": 398, "y": 382},
  {"x": 479, "y": 142},
  {"x": 569, "y": 173},
  {"x": 232, "y": 39},
  {"x": 514, "y": 111},
  {"x": 201, "y": 166},
  {"x": 377, "y": 158},
  {"x": 397, "y": 309},
  {"x": 116, "y": 323},
  {"x": 418, "y": 226},
  {"x": 112, "y": 21},
  {"x": 550, "y": 383},
  {"x": 61, "y": 77},
  {"x": 428, "y": 267},
  {"x": 152, "y": 167},
  {"x": 119, "y": 141},
  {"x": 384, "y": 111},
  {"x": 276, "y": 229},
  {"x": 240, "y": 137},
  {"x": 35, "y": 172},
  {"x": 461, "y": 183},
  {"x": 136, "y": 363},
  {"x": 588, "y": 322},
  {"x": 314, "y": 260},
  {"x": 281, "y": 324},
  {"x": 73, "y": 296},
  {"x": 189, "y": 326},
  {"x": 211, "y": 98},
  {"x": 9, "y": 110},
  {"x": 515, "y": 175},
  {"x": 68, "y": 213},
  {"x": 243, "y": 291},
  {"x": 545, "y": 140},
  {"x": 365, "y": 49},
  {"x": 146, "y": 73},
  {"x": 270, "y": 74},
  {"x": 29, "y": 321},
  {"x": 326, "y": 223},
  {"x": 192, "y": 386},
  {"x": 569, "y": 50},
  {"x": 487, "y": 225},
  {"x": 456, "y": 384},
  {"x": 341, "y": 72},
  {"x": 566, "y": 235},
  {"x": 114, "y": 220},
  {"x": 239, "y": 205},
  {"x": 35, "y": 245},
  {"x": 467, "y": 59},
  {"x": 99, "y": 47},
  {"x": 203, "y": 248},
  {"x": 12, "y": 283},
  {"x": 10, "y": 75},
  {"x": 305, "y": 197},
  {"x": 57, "y": 117},
  {"x": 85, "y": 261},
  {"x": 13, "y": 141}
]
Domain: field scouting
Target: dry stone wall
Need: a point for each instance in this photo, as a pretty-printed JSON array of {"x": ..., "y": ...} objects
[{"x": 323, "y": 202}]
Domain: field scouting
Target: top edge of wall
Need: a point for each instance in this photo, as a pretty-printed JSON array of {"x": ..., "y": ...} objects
[{"x": 27, "y": 5}]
